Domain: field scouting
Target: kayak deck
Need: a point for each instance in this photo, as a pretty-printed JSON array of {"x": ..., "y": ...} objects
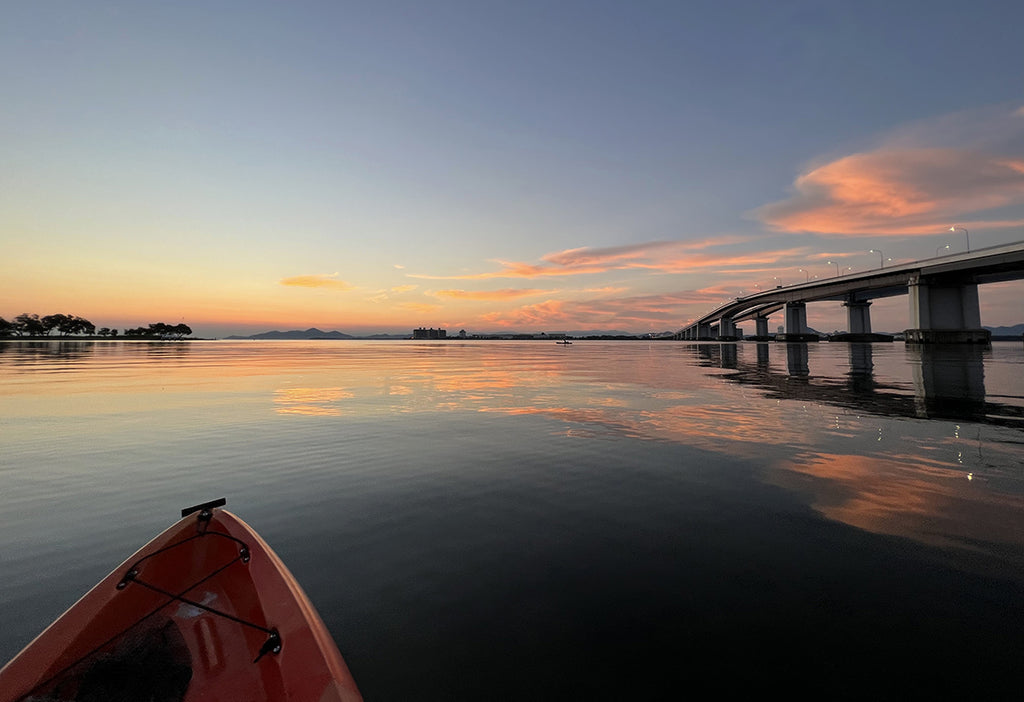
[{"x": 205, "y": 611}]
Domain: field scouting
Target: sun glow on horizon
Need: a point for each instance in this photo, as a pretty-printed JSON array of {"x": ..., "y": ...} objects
[{"x": 326, "y": 180}]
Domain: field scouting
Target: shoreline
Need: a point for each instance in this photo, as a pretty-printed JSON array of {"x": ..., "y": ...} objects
[{"x": 131, "y": 339}]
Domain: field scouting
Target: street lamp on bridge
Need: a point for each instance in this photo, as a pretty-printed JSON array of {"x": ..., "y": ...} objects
[
  {"x": 881, "y": 261},
  {"x": 940, "y": 249},
  {"x": 834, "y": 263},
  {"x": 966, "y": 236},
  {"x": 806, "y": 273}
]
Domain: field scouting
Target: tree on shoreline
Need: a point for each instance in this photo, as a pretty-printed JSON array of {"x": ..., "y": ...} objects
[
  {"x": 67, "y": 324},
  {"x": 26, "y": 324},
  {"x": 159, "y": 330},
  {"x": 31, "y": 325}
]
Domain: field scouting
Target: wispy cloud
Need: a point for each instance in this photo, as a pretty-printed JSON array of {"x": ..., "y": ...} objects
[
  {"x": 381, "y": 296},
  {"x": 607, "y": 290},
  {"x": 506, "y": 294},
  {"x": 655, "y": 256},
  {"x": 328, "y": 281},
  {"x": 660, "y": 312},
  {"x": 923, "y": 179},
  {"x": 419, "y": 307},
  {"x": 730, "y": 262}
]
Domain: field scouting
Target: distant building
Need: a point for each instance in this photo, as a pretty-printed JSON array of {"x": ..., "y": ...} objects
[{"x": 431, "y": 333}]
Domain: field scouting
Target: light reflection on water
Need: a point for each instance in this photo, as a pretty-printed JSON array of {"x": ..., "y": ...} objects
[{"x": 494, "y": 508}]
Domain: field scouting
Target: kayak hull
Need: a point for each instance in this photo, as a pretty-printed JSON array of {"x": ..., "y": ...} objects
[{"x": 204, "y": 611}]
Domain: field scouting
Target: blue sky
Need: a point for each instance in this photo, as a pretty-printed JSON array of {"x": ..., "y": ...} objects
[{"x": 494, "y": 165}]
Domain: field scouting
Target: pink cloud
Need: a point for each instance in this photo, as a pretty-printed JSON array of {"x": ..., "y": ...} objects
[
  {"x": 926, "y": 177},
  {"x": 614, "y": 256},
  {"x": 544, "y": 313},
  {"x": 607, "y": 290}
]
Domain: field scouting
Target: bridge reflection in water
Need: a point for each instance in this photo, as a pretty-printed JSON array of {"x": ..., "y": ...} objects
[{"x": 948, "y": 381}]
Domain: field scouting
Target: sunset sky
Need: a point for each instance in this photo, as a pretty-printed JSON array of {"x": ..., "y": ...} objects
[{"x": 529, "y": 166}]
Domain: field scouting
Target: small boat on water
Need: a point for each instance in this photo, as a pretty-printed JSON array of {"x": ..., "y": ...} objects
[
  {"x": 564, "y": 343},
  {"x": 205, "y": 611}
]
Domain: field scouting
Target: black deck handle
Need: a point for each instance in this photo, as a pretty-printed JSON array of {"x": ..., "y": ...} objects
[{"x": 206, "y": 505}]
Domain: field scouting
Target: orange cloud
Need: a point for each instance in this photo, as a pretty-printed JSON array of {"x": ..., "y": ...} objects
[
  {"x": 317, "y": 281},
  {"x": 506, "y": 294},
  {"x": 907, "y": 191},
  {"x": 544, "y": 313}
]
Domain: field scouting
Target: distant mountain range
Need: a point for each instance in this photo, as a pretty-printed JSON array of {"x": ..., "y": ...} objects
[
  {"x": 314, "y": 333},
  {"x": 1015, "y": 330}
]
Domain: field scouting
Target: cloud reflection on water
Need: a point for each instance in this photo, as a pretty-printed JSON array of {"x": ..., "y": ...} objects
[{"x": 907, "y": 496}]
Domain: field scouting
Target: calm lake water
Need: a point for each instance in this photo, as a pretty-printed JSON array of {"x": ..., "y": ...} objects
[{"x": 522, "y": 520}]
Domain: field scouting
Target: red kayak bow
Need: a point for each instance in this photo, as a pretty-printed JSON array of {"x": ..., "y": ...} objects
[{"x": 205, "y": 611}]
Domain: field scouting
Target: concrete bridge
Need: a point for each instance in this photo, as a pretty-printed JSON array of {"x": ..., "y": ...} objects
[{"x": 943, "y": 295}]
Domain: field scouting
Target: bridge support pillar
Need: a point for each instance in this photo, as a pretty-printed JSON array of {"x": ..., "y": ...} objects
[
  {"x": 726, "y": 329},
  {"x": 796, "y": 318},
  {"x": 703, "y": 331},
  {"x": 858, "y": 320},
  {"x": 761, "y": 327},
  {"x": 946, "y": 313},
  {"x": 858, "y": 316},
  {"x": 796, "y": 324}
]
